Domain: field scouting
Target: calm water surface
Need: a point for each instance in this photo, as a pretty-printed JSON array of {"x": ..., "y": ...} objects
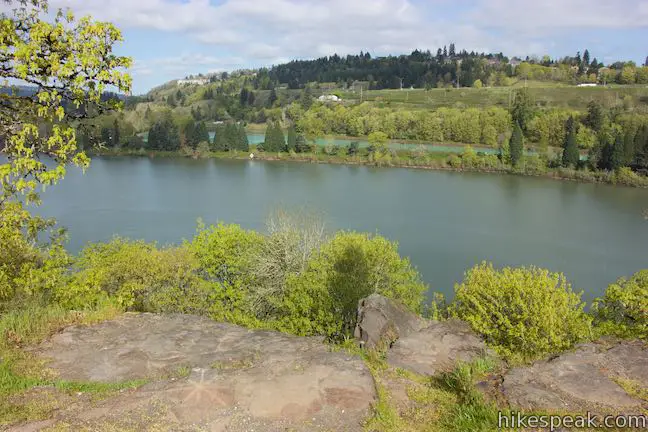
[{"x": 445, "y": 222}]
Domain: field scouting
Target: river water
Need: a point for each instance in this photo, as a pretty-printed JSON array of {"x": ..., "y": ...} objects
[{"x": 445, "y": 222}]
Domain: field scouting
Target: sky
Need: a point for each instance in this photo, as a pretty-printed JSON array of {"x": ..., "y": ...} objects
[{"x": 169, "y": 39}]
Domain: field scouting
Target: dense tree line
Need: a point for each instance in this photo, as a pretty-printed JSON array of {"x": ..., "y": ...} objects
[
  {"x": 425, "y": 69},
  {"x": 418, "y": 69}
]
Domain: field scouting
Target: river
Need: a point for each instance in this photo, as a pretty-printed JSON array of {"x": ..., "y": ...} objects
[{"x": 444, "y": 221}]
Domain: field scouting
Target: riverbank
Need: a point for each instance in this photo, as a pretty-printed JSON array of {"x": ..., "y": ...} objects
[{"x": 469, "y": 161}]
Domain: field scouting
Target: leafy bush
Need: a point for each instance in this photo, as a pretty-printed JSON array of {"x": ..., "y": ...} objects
[
  {"x": 225, "y": 254},
  {"x": 139, "y": 277},
  {"x": 324, "y": 298},
  {"x": 28, "y": 270},
  {"x": 523, "y": 313},
  {"x": 623, "y": 310},
  {"x": 454, "y": 161}
]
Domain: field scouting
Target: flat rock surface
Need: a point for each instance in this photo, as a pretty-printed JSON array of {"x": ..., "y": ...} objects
[
  {"x": 437, "y": 347},
  {"x": 586, "y": 379},
  {"x": 238, "y": 379}
]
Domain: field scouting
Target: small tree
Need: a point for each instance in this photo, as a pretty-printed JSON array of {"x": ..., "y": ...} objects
[
  {"x": 292, "y": 140},
  {"x": 622, "y": 311},
  {"x": 570, "y": 156},
  {"x": 522, "y": 109},
  {"x": 595, "y": 118},
  {"x": 516, "y": 145},
  {"x": 378, "y": 141}
]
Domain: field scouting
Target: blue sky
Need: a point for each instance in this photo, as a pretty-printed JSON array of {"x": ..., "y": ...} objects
[{"x": 169, "y": 39}]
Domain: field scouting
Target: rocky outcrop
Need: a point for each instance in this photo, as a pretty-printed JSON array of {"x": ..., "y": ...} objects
[
  {"x": 381, "y": 321},
  {"x": 437, "y": 347},
  {"x": 591, "y": 378},
  {"x": 238, "y": 379},
  {"x": 420, "y": 345}
]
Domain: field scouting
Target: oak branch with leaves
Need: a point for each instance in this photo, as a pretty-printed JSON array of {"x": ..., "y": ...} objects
[{"x": 70, "y": 65}]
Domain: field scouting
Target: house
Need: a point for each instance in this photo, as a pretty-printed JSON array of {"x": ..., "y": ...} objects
[
  {"x": 194, "y": 81},
  {"x": 328, "y": 98},
  {"x": 587, "y": 85},
  {"x": 515, "y": 62}
]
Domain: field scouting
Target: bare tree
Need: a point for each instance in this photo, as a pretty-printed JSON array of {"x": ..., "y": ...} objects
[{"x": 292, "y": 239}]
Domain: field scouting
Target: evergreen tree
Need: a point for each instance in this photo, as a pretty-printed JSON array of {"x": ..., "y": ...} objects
[
  {"x": 570, "y": 156},
  {"x": 232, "y": 136},
  {"x": 188, "y": 134},
  {"x": 268, "y": 140},
  {"x": 105, "y": 137},
  {"x": 272, "y": 98},
  {"x": 116, "y": 135},
  {"x": 164, "y": 135},
  {"x": 281, "y": 139},
  {"x": 445, "y": 52},
  {"x": 628, "y": 147},
  {"x": 452, "y": 52},
  {"x": 292, "y": 139},
  {"x": 516, "y": 147},
  {"x": 243, "y": 144},
  {"x": 200, "y": 134},
  {"x": 243, "y": 96},
  {"x": 595, "y": 118},
  {"x": 220, "y": 139},
  {"x": 641, "y": 149},
  {"x": 300, "y": 144},
  {"x": 586, "y": 58},
  {"x": 617, "y": 155},
  {"x": 306, "y": 98},
  {"x": 605, "y": 149}
]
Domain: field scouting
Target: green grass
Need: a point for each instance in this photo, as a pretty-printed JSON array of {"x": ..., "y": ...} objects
[
  {"x": 545, "y": 96},
  {"x": 448, "y": 402},
  {"x": 21, "y": 371}
]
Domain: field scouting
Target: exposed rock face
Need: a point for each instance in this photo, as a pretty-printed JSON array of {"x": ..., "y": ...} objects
[
  {"x": 382, "y": 321},
  {"x": 239, "y": 379},
  {"x": 585, "y": 379},
  {"x": 417, "y": 344}
]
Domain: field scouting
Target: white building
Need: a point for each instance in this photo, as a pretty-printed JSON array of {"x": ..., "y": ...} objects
[
  {"x": 587, "y": 85},
  {"x": 328, "y": 98},
  {"x": 194, "y": 81}
]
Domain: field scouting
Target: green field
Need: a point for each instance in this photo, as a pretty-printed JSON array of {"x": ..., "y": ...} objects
[{"x": 546, "y": 96}]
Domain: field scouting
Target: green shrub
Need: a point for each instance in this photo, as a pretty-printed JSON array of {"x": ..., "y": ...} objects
[
  {"x": 623, "y": 310},
  {"x": 28, "y": 269},
  {"x": 523, "y": 313},
  {"x": 139, "y": 277},
  {"x": 454, "y": 161},
  {"x": 625, "y": 176},
  {"x": 225, "y": 254},
  {"x": 324, "y": 298}
]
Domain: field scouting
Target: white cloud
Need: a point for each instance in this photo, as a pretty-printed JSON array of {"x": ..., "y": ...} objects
[{"x": 266, "y": 31}]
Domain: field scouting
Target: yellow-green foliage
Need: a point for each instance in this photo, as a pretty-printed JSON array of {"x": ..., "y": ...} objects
[
  {"x": 623, "y": 310},
  {"x": 225, "y": 254},
  {"x": 523, "y": 313},
  {"x": 27, "y": 269},
  {"x": 323, "y": 299},
  {"x": 139, "y": 276}
]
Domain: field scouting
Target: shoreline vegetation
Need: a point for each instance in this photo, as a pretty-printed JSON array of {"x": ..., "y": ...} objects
[{"x": 470, "y": 160}]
